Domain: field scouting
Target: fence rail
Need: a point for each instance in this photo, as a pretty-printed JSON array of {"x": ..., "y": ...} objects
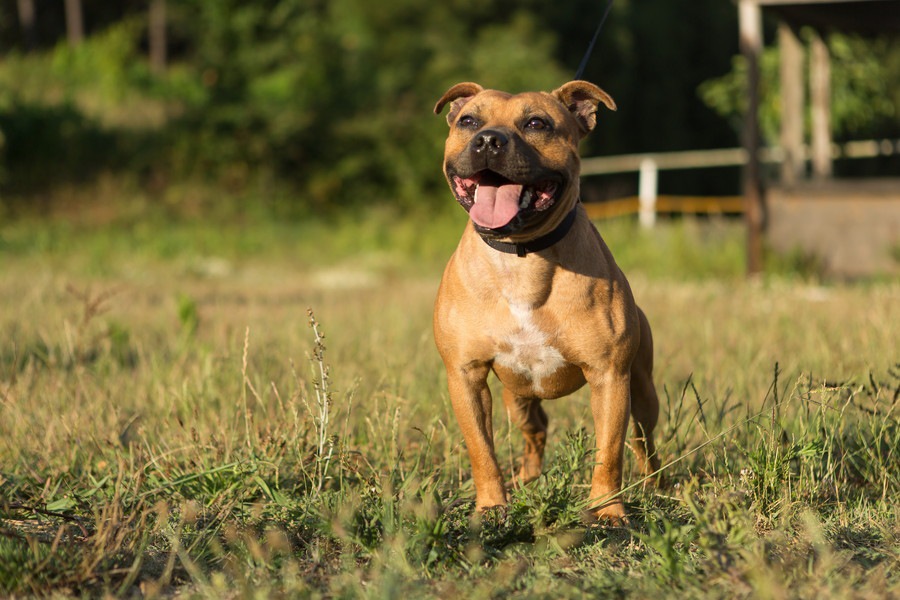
[
  {"x": 706, "y": 205},
  {"x": 647, "y": 165}
]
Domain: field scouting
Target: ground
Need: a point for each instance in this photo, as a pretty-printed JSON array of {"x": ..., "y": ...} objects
[{"x": 171, "y": 423}]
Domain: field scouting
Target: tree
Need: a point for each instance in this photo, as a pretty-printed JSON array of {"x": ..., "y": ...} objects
[
  {"x": 157, "y": 35},
  {"x": 26, "y": 21},
  {"x": 74, "y": 22}
]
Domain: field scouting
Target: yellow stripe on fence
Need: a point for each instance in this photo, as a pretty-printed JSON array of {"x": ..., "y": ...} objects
[
  {"x": 667, "y": 204},
  {"x": 612, "y": 208}
]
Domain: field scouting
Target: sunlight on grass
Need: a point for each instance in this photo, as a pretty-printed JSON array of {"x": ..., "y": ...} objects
[{"x": 161, "y": 433}]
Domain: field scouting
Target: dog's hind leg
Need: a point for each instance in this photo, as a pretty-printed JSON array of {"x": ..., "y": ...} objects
[
  {"x": 644, "y": 401},
  {"x": 528, "y": 415}
]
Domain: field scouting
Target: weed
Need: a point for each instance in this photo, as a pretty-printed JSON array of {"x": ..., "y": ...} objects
[
  {"x": 325, "y": 442},
  {"x": 188, "y": 315}
]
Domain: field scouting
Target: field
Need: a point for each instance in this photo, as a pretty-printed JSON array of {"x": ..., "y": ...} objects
[{"x": 172, "y": 424}]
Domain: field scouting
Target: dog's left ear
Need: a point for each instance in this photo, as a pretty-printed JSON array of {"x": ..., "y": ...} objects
[
  {"x": 583, "y": 99},
  {"x": 457, "y": 96}
]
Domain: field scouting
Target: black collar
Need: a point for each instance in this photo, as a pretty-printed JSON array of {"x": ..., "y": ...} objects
[{"x": 536, "y": 245}]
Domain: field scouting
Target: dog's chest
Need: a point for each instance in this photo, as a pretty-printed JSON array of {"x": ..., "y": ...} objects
[{"x": 526, "y": 349}]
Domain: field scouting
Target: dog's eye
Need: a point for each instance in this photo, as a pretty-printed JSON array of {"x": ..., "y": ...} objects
[
  {"x": 467, "y": 121},
  {"x": 537, "y": 124}
]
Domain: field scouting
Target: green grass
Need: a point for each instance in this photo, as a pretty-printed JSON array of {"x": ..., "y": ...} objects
[{"x": 171, "y": 424}]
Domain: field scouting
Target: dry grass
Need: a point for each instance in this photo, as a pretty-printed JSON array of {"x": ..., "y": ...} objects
[{"x": 160, "y": 431}]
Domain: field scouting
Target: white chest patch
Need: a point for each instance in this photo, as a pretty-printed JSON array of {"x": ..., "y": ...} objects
[{"x": 526, "y": 350}]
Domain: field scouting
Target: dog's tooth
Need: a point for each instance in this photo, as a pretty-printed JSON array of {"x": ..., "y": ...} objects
[{"x": 526, "y": 198}]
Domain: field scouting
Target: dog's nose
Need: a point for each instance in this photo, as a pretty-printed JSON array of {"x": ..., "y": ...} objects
[{"x": 490, "y": 140}]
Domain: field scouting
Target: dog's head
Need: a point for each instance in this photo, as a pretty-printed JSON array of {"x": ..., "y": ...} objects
[{"x": 512, "y": 160}]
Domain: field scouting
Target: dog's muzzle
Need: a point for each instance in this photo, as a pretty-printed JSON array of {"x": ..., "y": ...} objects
[{"x": 495, "y": 202}]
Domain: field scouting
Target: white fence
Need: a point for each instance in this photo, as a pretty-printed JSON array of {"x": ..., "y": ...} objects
[{"x": 648, "y": 165}]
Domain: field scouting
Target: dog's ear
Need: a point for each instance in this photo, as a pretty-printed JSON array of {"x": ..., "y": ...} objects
[
  {"x": 582, "y": 99},
  {"x": 458, "y": 95}
]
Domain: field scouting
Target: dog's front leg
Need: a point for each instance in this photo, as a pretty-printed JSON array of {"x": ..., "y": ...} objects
[
  {"x": 472, "y": 403},
  {"x": 610, "y": 408}
]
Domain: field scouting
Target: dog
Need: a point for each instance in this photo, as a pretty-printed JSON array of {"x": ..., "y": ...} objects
[{"x": 532, "y": 292}]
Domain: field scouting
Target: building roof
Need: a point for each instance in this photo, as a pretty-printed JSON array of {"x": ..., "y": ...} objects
[{"x": 864, "y": 17}]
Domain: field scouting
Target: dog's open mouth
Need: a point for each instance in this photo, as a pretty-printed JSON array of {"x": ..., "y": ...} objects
[{"x": 493, "y": 200}]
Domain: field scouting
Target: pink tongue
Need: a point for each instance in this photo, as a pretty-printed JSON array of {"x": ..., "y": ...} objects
[{"x": 495, "y": 206}]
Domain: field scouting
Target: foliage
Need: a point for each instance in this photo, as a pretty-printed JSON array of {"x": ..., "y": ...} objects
[
  {"x": 865, "y": 77},
  {"x": 87, "y": 109},
  {"x": 866, "y": 88},
  {"x": 324, "y": 104},
  {"x": 306, "y": 91},
  {"x": 313, "y": 101}
]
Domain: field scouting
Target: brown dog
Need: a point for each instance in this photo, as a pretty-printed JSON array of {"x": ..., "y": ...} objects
[{"x": 533, "y": 293}]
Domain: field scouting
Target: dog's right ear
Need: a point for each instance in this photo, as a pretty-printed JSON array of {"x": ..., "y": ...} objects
[
  {"x": 458, "y": 95},
  {"x": 583, "y": 99}
]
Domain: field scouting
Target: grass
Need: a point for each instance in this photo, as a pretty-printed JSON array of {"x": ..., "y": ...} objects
[{"x": 171, "y": 423}]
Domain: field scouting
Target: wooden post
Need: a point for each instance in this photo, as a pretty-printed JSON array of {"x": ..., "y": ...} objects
[
  {"x": 647, "y": 188},
  {"x": 74, "y": 22},
  {"x": 791, "y": 51},
  {"x": 157, "y": 35},
  {"x": 820, "y": 107},
  {"x": 750, "y": 30}
]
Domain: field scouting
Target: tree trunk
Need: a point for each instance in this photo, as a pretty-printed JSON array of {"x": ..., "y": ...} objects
[
  {"x": 157, "y": 35},
  {"x": 26, "y": 21},
  {"x": 74, "y": 22}
]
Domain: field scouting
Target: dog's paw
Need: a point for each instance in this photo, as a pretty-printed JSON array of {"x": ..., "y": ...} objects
[
  {"x": 610, "y": 515},
  {"x": 496, "y": 507}
]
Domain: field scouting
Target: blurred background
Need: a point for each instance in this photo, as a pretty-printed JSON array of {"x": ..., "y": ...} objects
[{"x": 298, "y": 109}]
